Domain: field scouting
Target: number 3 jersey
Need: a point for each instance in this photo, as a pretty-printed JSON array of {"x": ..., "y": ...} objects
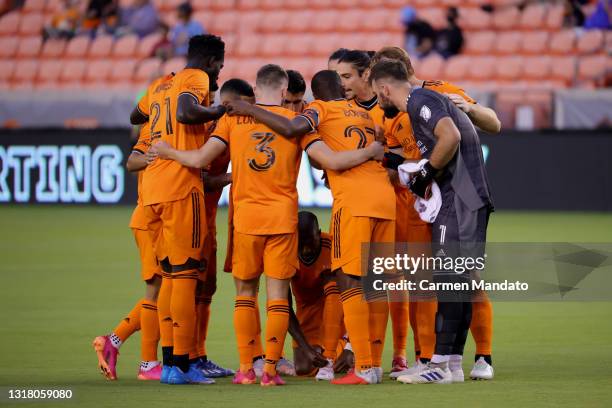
[
  {"x": 364, "y": 189},
  {"x": 167, "y": 180},
  {"x": 265, "y": 168}
]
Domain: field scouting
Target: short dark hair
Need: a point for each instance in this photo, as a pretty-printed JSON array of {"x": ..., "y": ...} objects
[
  {"x": 238, "y": 86},
  {"x": 326, "y": 82},
  {"x": 394, "y": 53},
  {"x": 271, "y": 75},
  {"x": 297, "y": 84},
  {"x": 336, "y": 55},
  {"x": 360, "y": 60},
  {"x": 387, "y": 68},
  {"x": 206, "y": 45},
  {"x": 185, "y": 8}
]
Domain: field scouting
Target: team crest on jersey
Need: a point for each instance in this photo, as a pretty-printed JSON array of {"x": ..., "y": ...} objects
[{"x": 425, "y": 113}]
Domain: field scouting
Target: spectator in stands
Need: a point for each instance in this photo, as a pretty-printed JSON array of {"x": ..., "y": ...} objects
[
  {"x": 184, "y": 29},
  {"x": 97, "y": 12},
  {"x": 140, "y": 19},
  {"x": 164, "y": 49},
  {"x": 601, "y": 17},
  {"x": 573, "y": 16},
  {"x": 449, "y": 40},
  {"x": 419, "y": 36},
  {"x": 64, "y": 22}
]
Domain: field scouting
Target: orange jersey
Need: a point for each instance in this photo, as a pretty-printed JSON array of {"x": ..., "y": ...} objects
[
  {"x": 307, "y": 285},
  {"x": 138, "y": 220},
  {"x": 168, "y": 180},
  {"x": 366, "y": 188},
  {"x": 265, "y": 169},
  {"x": 374, "y": 109},
  {"x": 447, "y": 87}
]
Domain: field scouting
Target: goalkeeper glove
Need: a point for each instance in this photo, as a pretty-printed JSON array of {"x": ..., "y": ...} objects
[
  {"x": 392, "y": 161},
  {"x": 420, "y": 182}
]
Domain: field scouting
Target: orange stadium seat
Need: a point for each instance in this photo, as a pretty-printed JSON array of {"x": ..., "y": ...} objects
[
  {"x": 248, "y": 45},
  {"x": 564, "y": 69},
  {"x": 395, "y": 4},
  {"x": 250, "y": 21},
  {"x": 296, "y": 5},
  {"x": 533, "y": 16},
  {"x": 7, "y": 67},
  {"x": 49, "y": 72},
  {"x": 506, "y": 19},
  {"x": 480, "y": 42},
  {"x": 482, "y": 68},
  {"x": 300, "y": 21},
  {"x": 300, "y": 44},
  {"x": 322, "y": 4},
  {"x": 147, "y": 70},
  {"x": 537, "y": 68},
  {"x": 78, "y": 47},
  {"x": 363, "y": 3},
  {"x": 223, "y": 22},
  {"x": 590, "y": 42},
  {"x": 535, "y": 42},
  {"x": 434, "y": 16},
  {"x": 324, "y": 44},
  {"x": 125, "y": 47},
  {"x": 554, "y": 17},
  {"x": 144, "y": 49},
  {"x": 231, "y": 42},
  {"x": 73, "y": 71},
  {"x": 456, "y": 68},
  {"x": 52, "y": 6},
  {"x": 325, "y": 21},
  {"x": 377, "y": 41},
  {"x": 562, "y": 42},
  {"x": 175, "y": 65},
  {"x": 37, "y": 6},
  {"x": 53, "y": 48},
  {"x": 509, "y": 68},
  {"x": 31, "y": 24},
  {"x": 101, "y": 47},
  {"x": 247, "y": 69},
  {"x": 122, "y": 70},
  {"x": 25, "y": 71},
  {"x": 430, "y": 67},
  {"x": 508, "y": 42},
  {"x": 8, "y": 47},
  {"x": 592, "y": 68},
  {"x": 249, "y": 4},
  {"x": 474, "y": 19},
  {"x": 347, "y": 22},
  {"x": 274, "y": 21},
  {"x": 205, "y": 18},
  {"x": 376, "y": 20},
  {"x": 29, "y": 47},
  {"x": 98, "y": 70},
  {"x": 352, "y": 41},
  {"x": 272, "y": 45},
  {"x": 9, "y": 23},
  {"x": 272, "y": 4}
]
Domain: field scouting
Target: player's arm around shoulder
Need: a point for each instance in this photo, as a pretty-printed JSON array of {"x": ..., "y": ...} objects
[
  {"x": 481, "y": 116},
  {"x": 197, "y": 158},
  {"x": 328, "y": 159},
  {"x": 289, "y": 127}
]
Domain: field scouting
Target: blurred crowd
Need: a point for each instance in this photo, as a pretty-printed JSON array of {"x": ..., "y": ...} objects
[
  {"x": 421, "y": 39},
  {"x": 107, "y": 17}
]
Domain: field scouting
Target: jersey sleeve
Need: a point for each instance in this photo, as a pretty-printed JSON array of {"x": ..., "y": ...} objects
[
  {"x": 144, "y": 140},
  {"x": 308, "y": 140},
  {"x": 221, "y": 131},
  {"x": 197, "y": 85},
  {"x": 428, "y": 109},
  {"x": 143, "y": 103},
  {"x": 314, "y": 113},
  {"x": 459, "y": 91},
  {"x": 390, "y": 136}
]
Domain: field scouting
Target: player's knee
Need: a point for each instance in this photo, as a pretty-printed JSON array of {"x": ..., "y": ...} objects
[
  {"x": 345, "y": 281},
  {"x": 152, "y": 287},
  {"x": 246, "y": 287}
]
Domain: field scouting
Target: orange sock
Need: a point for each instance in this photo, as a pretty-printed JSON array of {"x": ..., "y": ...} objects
[
  {"x": 163, "y": 311},
  {"x": 277, "y": 323},
  {"x": 182, "y": 308},
  {"x": 413, "y": 308},
  {"x": 130, "y": 324},
  {"x": 379, "y": 315},
  {"x": 149, "y": 331},
  {"x": 400, "y": 318},
  {"x": 332, "y": 320},
  {"x": 258, "y": 351},
  {"x": 202, "y": 319},
  {"x": 356, "y": 314},
  {"x": 426, "y": 327},
  {"x": 482, "y": 323},
  {"x": 245, "y": 327}
]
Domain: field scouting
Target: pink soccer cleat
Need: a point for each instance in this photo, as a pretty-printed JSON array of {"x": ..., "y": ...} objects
[
  {"x": 107, "y": 357},
  {"x": 244, "y": 379},
  {"x": 398, "y": 364},
  {"x": 268, "y": 380},
  {"x": 154, "y": 374}
]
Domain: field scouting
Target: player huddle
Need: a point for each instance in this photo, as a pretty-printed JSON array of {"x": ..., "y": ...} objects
[{"x": 369, "y": 116}]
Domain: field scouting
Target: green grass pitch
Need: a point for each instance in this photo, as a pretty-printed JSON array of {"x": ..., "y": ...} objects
[{"x": 70, "y": 273}]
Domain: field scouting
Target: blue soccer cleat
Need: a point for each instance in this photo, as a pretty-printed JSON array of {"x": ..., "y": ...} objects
[
  {"x": 193, "y": 376},
  {"x": 164, "y": 374},
  {"x": 210, "y": 369}
]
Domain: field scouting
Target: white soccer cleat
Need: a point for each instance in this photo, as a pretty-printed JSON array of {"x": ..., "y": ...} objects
[
  {"x": 482, "y": 370},
  {"x": 433, "y": 375},
  {"x": 285, "y": 367},
  {"x": 378, "y": 374},
  {"x": 326, "y": 373},
  {"x": 416, "y": 368},
  {"x": 258, "y": 366},
  {"x": 457, "y": 375}
]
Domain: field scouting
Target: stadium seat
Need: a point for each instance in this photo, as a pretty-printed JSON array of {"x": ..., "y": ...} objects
[
  {"x": 537, "y": 68},
  {"x": 352, "y": 41},
  {"x": 125, "y": 47},
  {"x": 324, "y": 44},
  {"x": 509, "y": 68},
  {"x": 532, "y": 16},
  {"x": 7, "y": 67},
  {"x": 474, "y": 19},
  {"x": 248, "y": 45},
  {"x": 300, "y": 45},
  {"x": 434, "y": 16},
  {"x": 231, "y": 43},
  {"x": 376, "y": 41},
  {"x": 372, "y": 4},
  {"x": 205, "y": 18},
  {"x": 272, "y": 45},
  {"x": 144, "y": 49},
  {"x": 480, "y": 42},
  {"x": 31, "y": 24},
  {"x": 554, "y": 17},
  {"x": 456, "y": 68},
  {"x": 430, "y": 67},
  {"x": 376, "y": 20},
  {"x": 347, "y": 23},
  {"x": 53, "y": 48},
  {"x": 36, "y": 6},
  {"x": 49, "y": 71},
  {"x": 506, "y": 19},
  {"x": 325, "y": 21},
  {"x": 147, "y": 70},
  {"x": 562, "y": 42},
  {"x": 73, "y": 71},
  {"x": 508, "y": 42},
  {"x": 9, "y": 23},
  {"x": 25, "y": 71},
  {"x": 249, "y": 22},
  {"x": 223, "y": 22},
  {"x": 101, "y": 47},
  {"x": 592, "y": 67},
  {"x": 122, "y": 71},
  {"x": 78, "y": 47},
  {"x": 322, "y": 4},
  {"x": 272, "y": 4},
  {"x": 29, "y": 47},
  {"x": 175, "y": 65},
  {"x": 564, "y": 69},
  {"x": 98, "y": 71},
  {"x": 482, "y": 68},
  {"x": 274, "y": 21},
  {"x": 299, "y": 21},
  {"x": 590, "y": 42},
  {"x": 249, "y": 4},
  {"x": 534, "y": 42},
  {"x": 8, "y": 47}
]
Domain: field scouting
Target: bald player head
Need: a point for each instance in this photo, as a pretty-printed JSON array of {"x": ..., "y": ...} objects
[
  {"x": 327, "y": 86},
  {"x": 309, "y": 237}
]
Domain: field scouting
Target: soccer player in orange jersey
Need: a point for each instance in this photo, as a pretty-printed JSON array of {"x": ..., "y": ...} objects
[
  {"x": 264, "y": 194},
  {"x": 176, "y": 110},
  {"x": 294, "y": 99},
  {"x": 400, "y": 140},
  {"x": 363, "y": 209},
  {"x": 143, "y": 316}
]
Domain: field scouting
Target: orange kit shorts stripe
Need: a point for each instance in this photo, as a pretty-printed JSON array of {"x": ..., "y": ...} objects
[{"x": 273, "y": 255}]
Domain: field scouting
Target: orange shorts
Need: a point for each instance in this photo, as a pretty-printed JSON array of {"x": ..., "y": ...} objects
[
  {"x": 350, "y": 232},
  {"x": 273, "y": 255},
  {"x": 178, "y": 230},
  {"x": 409, "y": 227},
  {"x": 149, "y": 267},
  {"x": 310, "y": 317}
]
